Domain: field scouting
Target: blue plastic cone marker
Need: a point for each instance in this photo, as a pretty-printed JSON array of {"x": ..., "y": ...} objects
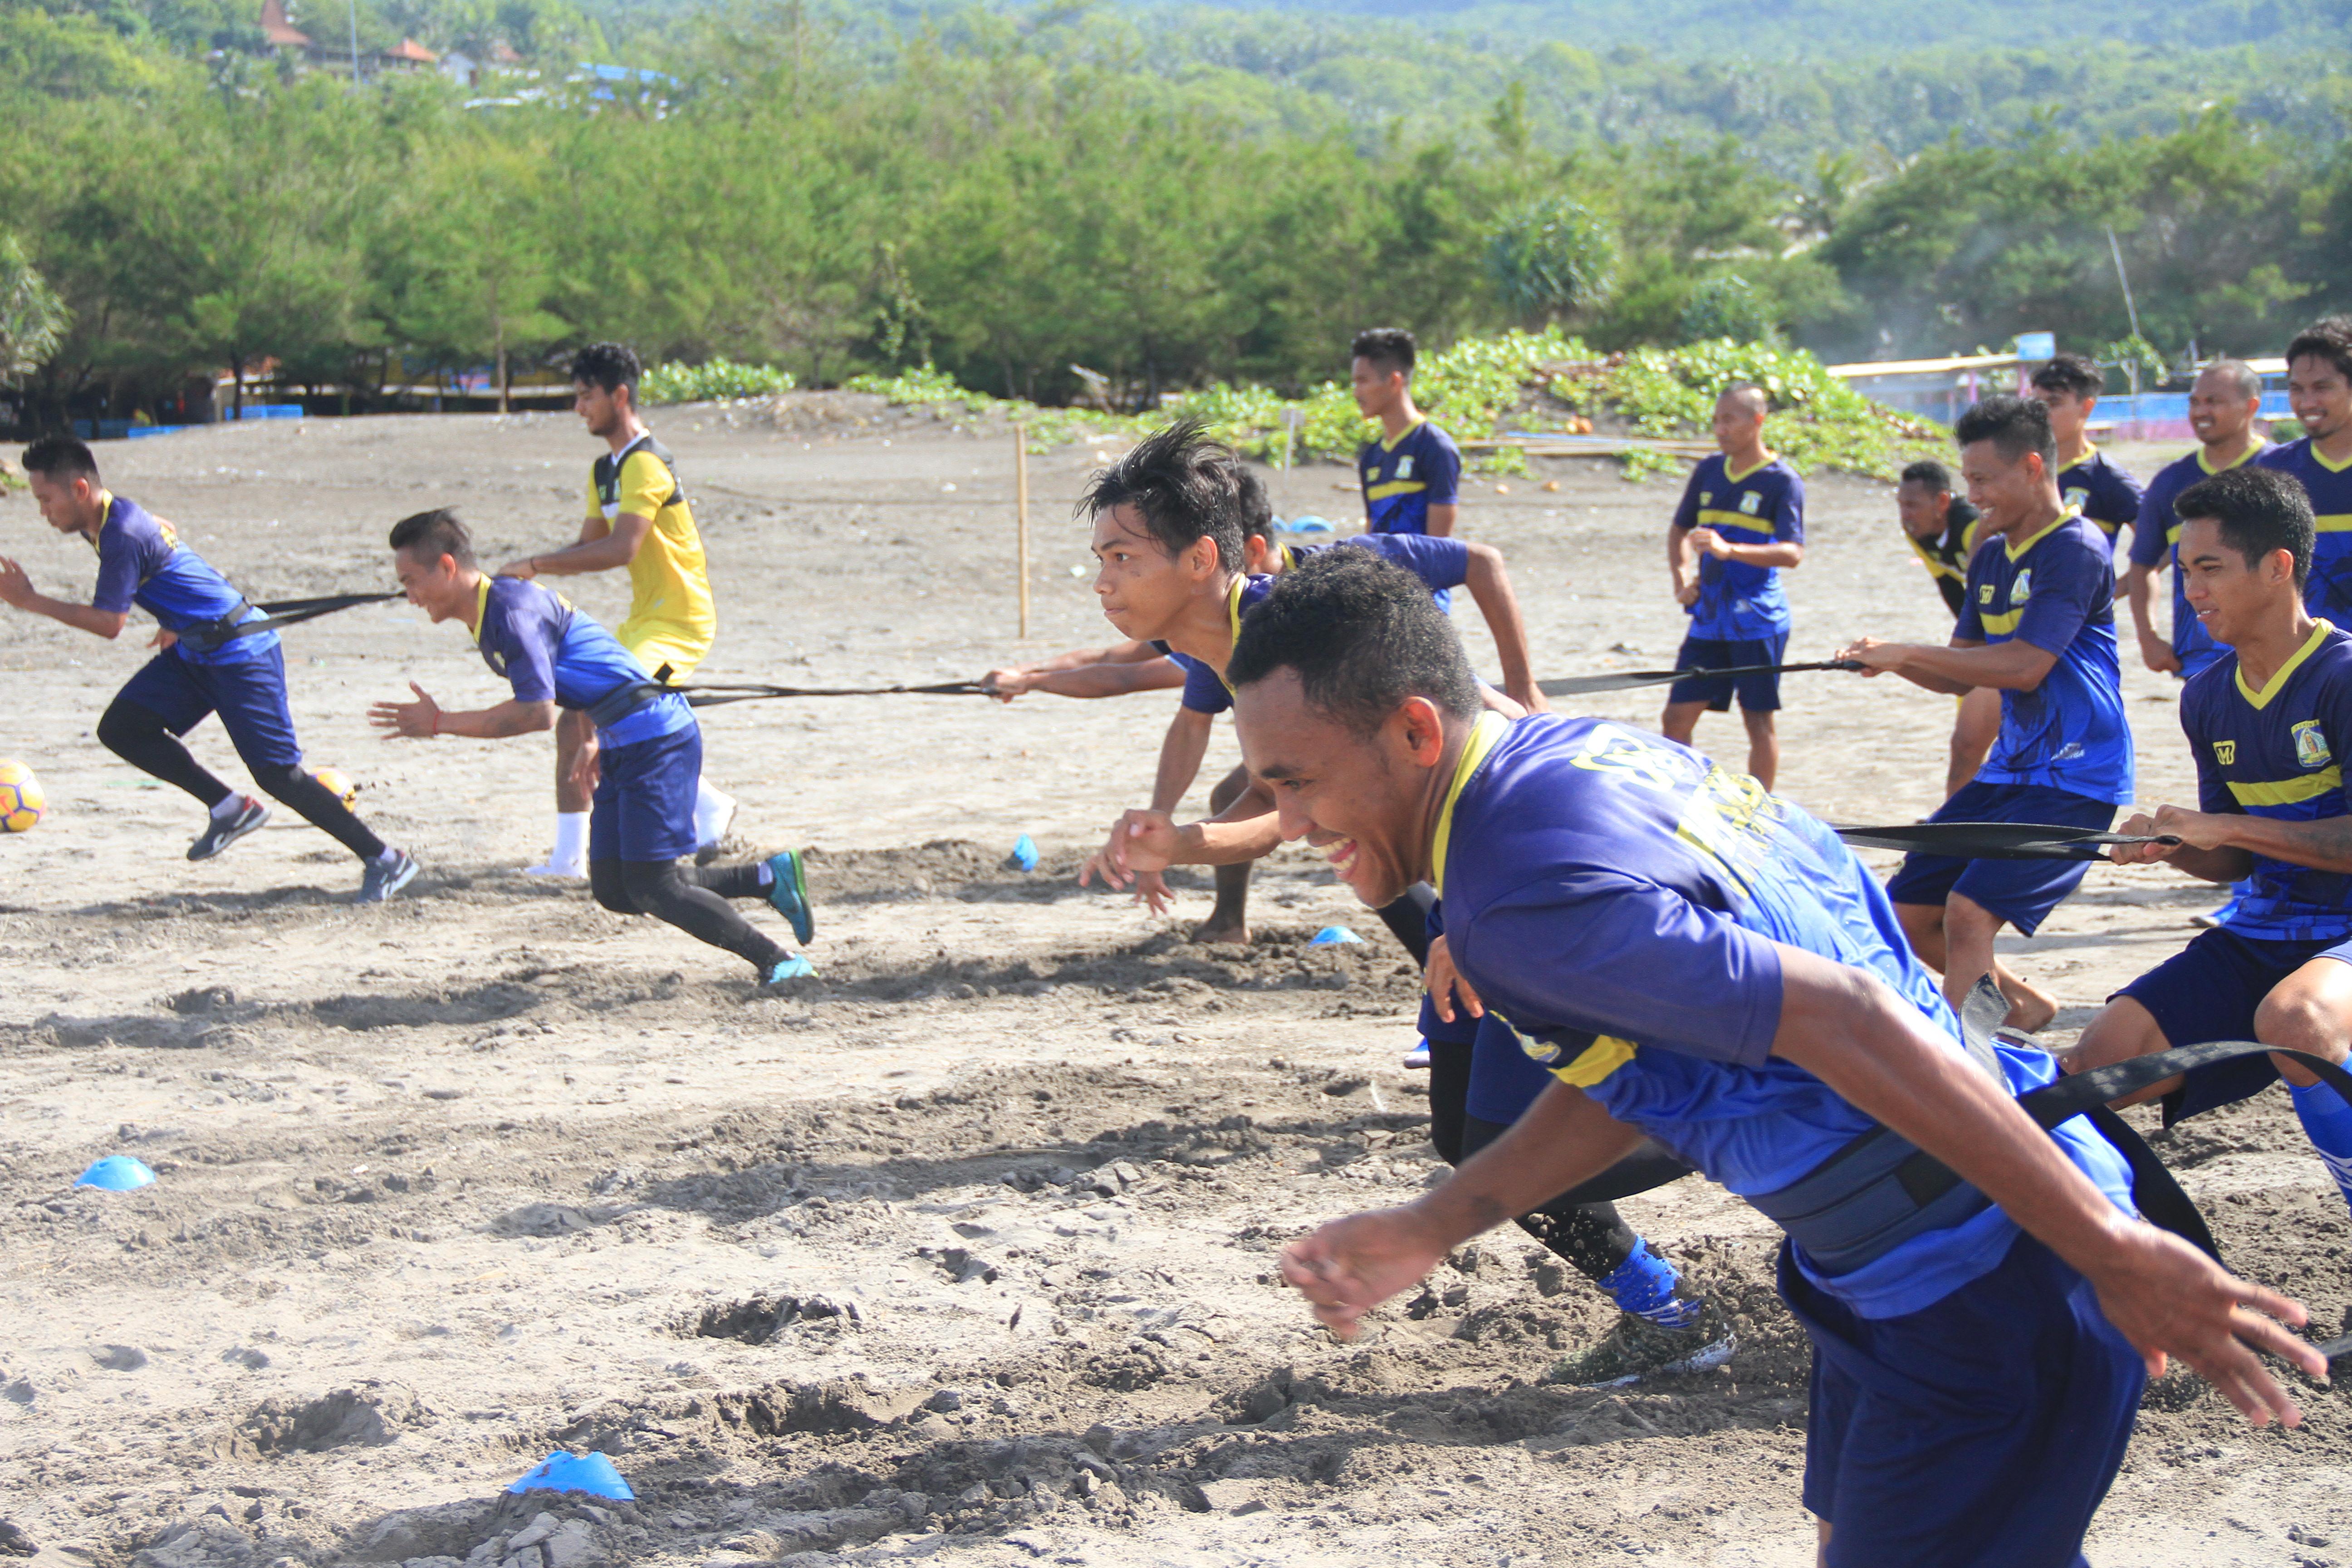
[
  {"x": 116, "y": 1174},
  {"x": 1309, "y": 523},
  {"x": 1334, "y": 936},
  {"x": 1024, "y": 853},
  {"x": 563, "y": 1471}
]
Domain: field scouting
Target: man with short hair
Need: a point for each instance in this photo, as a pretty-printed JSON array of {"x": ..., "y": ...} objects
[
  {"x": 558, "y": 659},
  {"x": 2319, "y": 390},
  {"x": 1171, "y": 518},
  {"x": 2069, "y": 387},
  {"x": 1412, "y": 475},
  {"x": 1942, "y": 529},
  {"x": 2039, "y": 626},
  {"x": 2223, "y": 404},
  {"x": 638, "y": 518},
  {"x": 1700, "y": 961},
  {"x": 207, "y": 665},
  {"x": 1740, "y": 523},
  {"x": 2270, "y": 725}
]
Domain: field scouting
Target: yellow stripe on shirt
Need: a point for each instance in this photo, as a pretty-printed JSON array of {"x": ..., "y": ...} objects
[
  {"x": 1393, "y": 487},
  {"x": 1604, "y": 1056},
  {"x": 2287, "y": 792}
]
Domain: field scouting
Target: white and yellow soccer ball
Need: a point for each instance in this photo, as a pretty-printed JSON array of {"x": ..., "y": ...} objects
[
  {"x": 339, "y": 784},
  {"x": 22, "y": 801}
]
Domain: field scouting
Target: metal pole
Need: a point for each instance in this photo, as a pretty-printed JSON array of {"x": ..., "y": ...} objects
[
  {"x": 355, "y": 42},
  {"x": 1020, "y": 511}
]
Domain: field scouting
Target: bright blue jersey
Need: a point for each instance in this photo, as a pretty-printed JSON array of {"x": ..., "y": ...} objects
[
  {"x": 2328, "y": 593},
  {"x": 2058, "y": 592},
  {"x": 142, "y": 561},
  {"x": 2279, "y": 753},
  {"x": 2101, "y": 492},
  {"x": 547, "y": 651},
  {"x": 1622, "y": 902},
  {"x": 1405, "y": 477},
  {"x": 2156, "y": 541},
  {"x": 1442, "y": 563},
  {"x": 1765, "y": 504}
]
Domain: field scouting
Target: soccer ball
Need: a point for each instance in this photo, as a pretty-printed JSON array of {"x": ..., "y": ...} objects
[
  {"x": 21, "y": 800},
  {"x": 339, "y": 784}
]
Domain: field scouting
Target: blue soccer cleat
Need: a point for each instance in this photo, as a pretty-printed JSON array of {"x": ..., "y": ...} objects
[
  {"x": 789, "y": 968},
  {"x": 789, "y": 894},
  {"x": 378, "y": 882}
]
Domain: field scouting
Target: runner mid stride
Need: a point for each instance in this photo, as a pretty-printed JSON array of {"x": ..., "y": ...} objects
[
  {"x": 637, "y": 518},
  {"x": 205, "y": 667}
]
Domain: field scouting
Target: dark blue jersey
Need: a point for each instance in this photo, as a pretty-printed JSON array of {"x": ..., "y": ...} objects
[
  {"x": 2328, "y": 593},
  {"x": 2156, "y": 541},
  {"x": 2101, "y": 492},
  {"x": 1760, "y": 506},
  {"x": 1405, "y": 477},
  {"x": 548, "y": 652},
  {"x": 142, "y": 561},
  {"x": 1622, "y": 902},
  {"x": 1442, "y": 563},
  {"x": 2279, "y": 753},
  {"x": 2057, "y": 591}
]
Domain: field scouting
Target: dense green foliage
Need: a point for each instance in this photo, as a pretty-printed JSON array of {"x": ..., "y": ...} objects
[{"x": 1171, "y": 199}]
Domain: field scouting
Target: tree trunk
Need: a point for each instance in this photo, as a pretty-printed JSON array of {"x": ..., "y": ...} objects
[{"x": 506, "y": 382}]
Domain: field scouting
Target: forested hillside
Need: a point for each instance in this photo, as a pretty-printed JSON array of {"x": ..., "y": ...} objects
[{"x": 1168, "y": 195}]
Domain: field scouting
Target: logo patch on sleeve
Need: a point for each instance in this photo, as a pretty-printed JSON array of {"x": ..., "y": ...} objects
[{"x": 1404, "y": 468}]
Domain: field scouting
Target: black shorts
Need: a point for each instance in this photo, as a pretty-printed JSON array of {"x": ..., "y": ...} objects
[{"x": 2211, "y": 990}]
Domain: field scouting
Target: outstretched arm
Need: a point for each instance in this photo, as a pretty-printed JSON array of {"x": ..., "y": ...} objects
[
  {"x": 2012, "y": 666},
  {"x": 423, "y": 718},
  {"x": 16, "y": 589},
  {"x": 1490, "y": 587},
  {"x": 616, "y": 545}
]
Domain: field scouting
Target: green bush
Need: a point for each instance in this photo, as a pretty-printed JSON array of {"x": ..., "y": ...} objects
[
  {"x": 712, "y": 381},
  {"x": 1728, "y": 306}
]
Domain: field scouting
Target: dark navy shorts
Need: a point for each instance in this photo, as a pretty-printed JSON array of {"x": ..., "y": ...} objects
[
  {"x": 249, "y": 694},
  {"x": 2022, "y": 892},
  {"x": 1979, "y": 1432},
  {"x": 644, "y": 809},
  {"x": 1503, "y": 1079},
  {"x": 1758, "y": 693},
  {"x": 2208, "y": 990}
]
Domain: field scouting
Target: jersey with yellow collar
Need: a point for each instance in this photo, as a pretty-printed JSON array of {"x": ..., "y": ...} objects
[
  {"x": 2329, "y": 593},
  {"x": 547, "y": 651},
  {"x": 2057, "y": 592},
  {"x": 2156, "y": 541},
  {"x": 2279, "y": 753},
  {"x": 2101, "y": 490},
  {"x": 1762, "y": 505},
  {"x": 1403, "y": 477},
  {"x": 1622, "y": 901}
]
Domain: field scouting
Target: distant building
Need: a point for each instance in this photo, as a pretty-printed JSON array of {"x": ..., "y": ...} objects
[
  {"x": 286, "y": 41},
  {"x": 281, "y": 35}
]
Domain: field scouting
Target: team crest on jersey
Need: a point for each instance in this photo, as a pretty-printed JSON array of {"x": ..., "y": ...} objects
[
  {"x": 2310, "y": 745},
  {"x": 2076, "y": 497},
  {"x": 1706, "y": 498},
  {"x": 2022, "y": 588},
  {"x": 1750, "y": 502},
  {"x": 2225, "y": 751},
  {"x": 1404, "y": 468}
]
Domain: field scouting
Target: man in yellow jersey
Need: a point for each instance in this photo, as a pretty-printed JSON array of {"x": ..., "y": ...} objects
[{"x": 637, "y": 518}]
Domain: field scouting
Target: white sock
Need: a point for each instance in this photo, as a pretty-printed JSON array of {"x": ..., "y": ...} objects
[
  {"x": 767, "y": 875},
  {"x": 570, "y": 857},
  {"x": 711, "y": 809},
  {"x": 229, "y": 806}
]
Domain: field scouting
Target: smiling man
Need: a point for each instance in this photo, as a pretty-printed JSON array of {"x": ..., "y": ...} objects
[
  {"x": 2223, "y": 404},
  {"x": 2319, "y": 390},
  {"x": 1700, "y": 961},
  {"x": 1170, "y": 521},
  {"x": 558, "y": 660},
  {"x": 2038, "y": 624},
  {"x": 2269, "y": 725}
]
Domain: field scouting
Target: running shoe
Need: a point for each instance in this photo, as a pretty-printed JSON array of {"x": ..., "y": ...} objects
[
  {"x": 1417, "y": 1059},
  {"x": 1637, "y": 1348},
  {"x": 788, "y": 894},
  {"x": 222, "y": 832},
  {"x": 786, "y": 970},
  {"x": 379, "y": 881}
]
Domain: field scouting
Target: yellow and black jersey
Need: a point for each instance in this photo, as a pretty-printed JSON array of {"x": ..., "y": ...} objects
[
  {"x": 673, "y": 617},
  {"x": 1946, "y": 556}
]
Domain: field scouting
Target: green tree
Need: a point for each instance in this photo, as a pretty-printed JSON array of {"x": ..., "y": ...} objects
[
  {"x": 32, "y": 317},
  {"x": 1551, "y": 259}
]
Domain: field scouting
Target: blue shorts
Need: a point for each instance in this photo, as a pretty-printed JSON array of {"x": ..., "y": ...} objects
[
  {"x": 1503, "y": 1079},
  {"x": 1979, "y": 1432},
  {"x": 249, "y": 694},
  {"x": 644, "y": 809},
  {"x": 2022, "y": 892},
  {"x": 2208, "y": 990},
  {"x": 1758, "y": 693}
]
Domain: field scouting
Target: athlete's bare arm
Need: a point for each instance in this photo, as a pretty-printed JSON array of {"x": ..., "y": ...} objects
[
  {"x": 2154, "y": 651},
  {"x": 425, "y": 717},
  {"x": 16, "y": 589},
  {"x": 1116, "y": 671},
  {"x": 609, "y": 547},
  {"x": 2012, "y": 666},
  {"x": 2220, "y": 845}
]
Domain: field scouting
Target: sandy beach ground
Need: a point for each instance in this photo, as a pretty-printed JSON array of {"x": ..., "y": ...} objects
[{"x": 967, "y": 1255}]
